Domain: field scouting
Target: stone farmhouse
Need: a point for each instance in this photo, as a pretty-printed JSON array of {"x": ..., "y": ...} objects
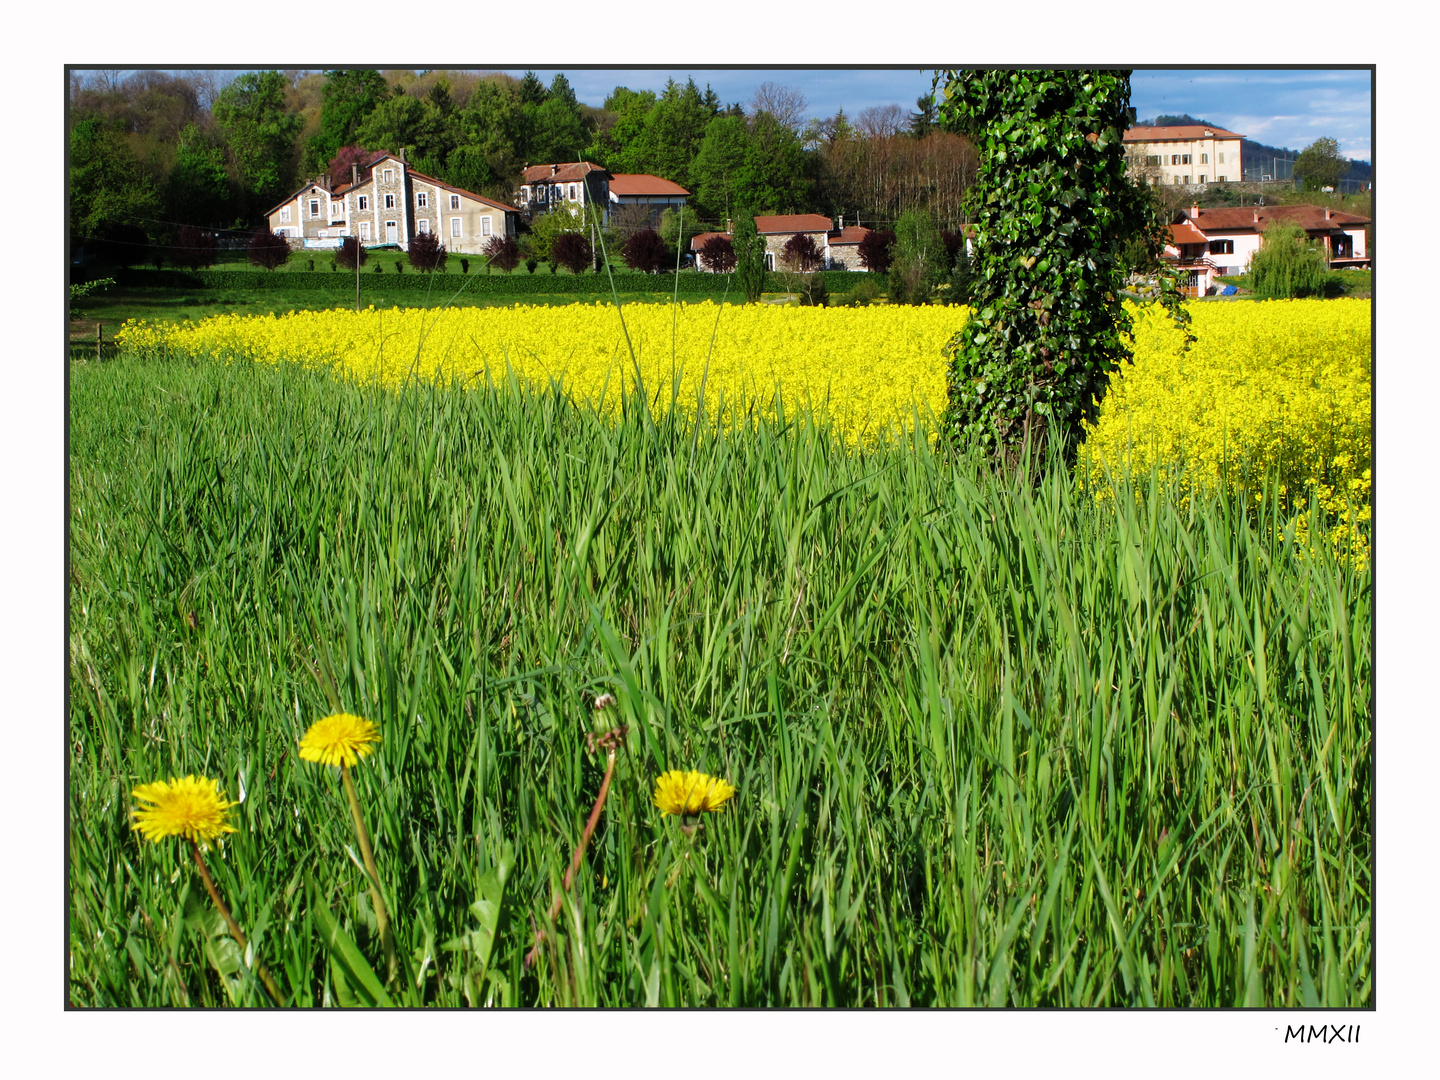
[
  {"x": 572, "y": 184},
  {"x": 1220, "y": 240},
  {"x": 838, "y": 243},
  {"x": 387, "y": 202},
  {"x": 1189, "y": 154},
  {"x": 654, "y": 193}
]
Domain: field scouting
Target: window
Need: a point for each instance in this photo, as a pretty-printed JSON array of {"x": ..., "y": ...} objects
[
  {"x": 1221, "y": 158},
  {"x": 1174, "y": 159},
  {"x": 484, "y": 225},
  {"x": 422, "y": 199},
  {"x": 337, "y": 210},
  {"x": 1184, "y": 159},
  {"x": 769, "y": 260},
  {"x": 1220, "y": 179},
  {"x": 364, "y": 202},
  {"x": 314, "y": 208},
  {"x": 1187, "y": 181},
  {"x": 572, "y": 192},
  {"x": 285, "y": 213},
  {"x": 389, "y": 176},
  {"x": 390, "y": 200},
  {"x": 1202, "y": 178},
  {"x": 455, "y": 227},
  {"x": 364, "y": 230},
  {"x": 1152, "y": 159},
  {"x": 1204, "y": 159},
  {"x": 1222, "y": 247},
  {"x": 423, "y": 225},
  {"x": 454, "y": 202}
]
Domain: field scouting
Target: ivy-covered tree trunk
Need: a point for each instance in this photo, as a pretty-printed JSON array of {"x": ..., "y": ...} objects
[{"x": 1052, "y": 207}]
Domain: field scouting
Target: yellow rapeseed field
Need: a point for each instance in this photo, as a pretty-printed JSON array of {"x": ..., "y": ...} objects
[
  {"x": 1279, "y": 387},
  {"x": 865, "y": 369}
]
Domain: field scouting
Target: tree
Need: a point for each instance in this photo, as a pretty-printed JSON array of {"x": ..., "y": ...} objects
[
  {"x": 109, "y": 189},
  {"x": 801, "y": 253},
  {"x": 749, "y": 257},
  {"x": 268, "y": 249},
  {"x": 197, "y": 188},
  {"x": 351, "y": 251},
  {"x": 339, "y": 166},
  {"x": 426, "y": 253},
  {"x": 876, "y": 250},
  {"x": 646, "y": 252},
  {"x": 348, "y": 98},
  {"x": 719, "y": 163},
  {"x": 572, "y": 251},
  {"x": 718, "y": 254},
  {"x": 549, "y": 227},
  {"x": 1321, "y": 165},
  {"x": 404, "y": 121},
  {"x": 260, "y": 134},
  {"x": 785, "y": 103},
  {"x": 1288, "y": 265},
  {"x": 776, "y": 176},
  {"x": 503, "y": 253},
  {"x": 195, "y": 248},
  {"x": 1053, "y": 208},
  {"x": 919, "y": 258}
]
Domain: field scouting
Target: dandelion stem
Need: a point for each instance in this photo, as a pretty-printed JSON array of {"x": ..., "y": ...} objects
[
  {"x": 579, "y": 855},
  {"x": 235, "y": 931},
  {"x": 382, "y": 916}
]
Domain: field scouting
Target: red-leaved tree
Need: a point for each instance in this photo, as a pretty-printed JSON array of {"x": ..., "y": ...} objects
[
  {"x": 572, "y": 250},
  {"x": 350, "y": 250},
  {"x": 195, "y": 248},
  {"x": 802, "y": 253},
  {"x": 268, "y": 249},
  {"x": 345, "y": 157},
  {"x": 718, "y": 254},
  {"x": 646, "y": 252},
  {"x": 876, "y": 250},
  {"x": 503, "y": 253},
  {"x": 426, "y": 253}
]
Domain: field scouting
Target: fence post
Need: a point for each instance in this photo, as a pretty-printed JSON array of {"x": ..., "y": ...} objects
[{"x": 99, "y": 341}]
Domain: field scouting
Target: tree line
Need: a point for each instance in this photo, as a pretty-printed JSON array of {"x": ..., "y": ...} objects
[{"x": 152, "y": 151}]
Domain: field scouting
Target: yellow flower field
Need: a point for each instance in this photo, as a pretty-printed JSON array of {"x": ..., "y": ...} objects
[
  {"x": 1279, "y": 386},
  {"x": 863, "y": 368}
]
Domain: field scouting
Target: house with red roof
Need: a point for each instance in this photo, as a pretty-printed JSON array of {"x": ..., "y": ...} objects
[
  {"x": 655, "y": 193},
  {"x": 1220, "y": 240},
  {"x": 571, "y": 184},
  {"x": 838, "y": 243},
  {"x": 385, "y": 201},
  {"x": 1192, "y": 155}
]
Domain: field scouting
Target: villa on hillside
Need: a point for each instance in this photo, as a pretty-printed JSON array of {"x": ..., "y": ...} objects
[{"x": 1188, "y": 154}]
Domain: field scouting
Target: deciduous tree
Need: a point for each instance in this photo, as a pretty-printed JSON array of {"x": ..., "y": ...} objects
[
  {"x": 802, "y": 254},
  {"x": 572, "y": 251},
  {"x": 268, "y": 249},
  {"x": 718, "y": 254},
  {"x": 1321, "y": 165},
  {"x": 426, "y": 253},
  {"x": 503, "y": 253},
  {"x": 351, "y": 251},
  {"x": 349, "y": 96},
  {"x": 260, "y": 134},
  {"x": 195, "y": 248},
  {"x": 875, "y": 250},
  {"x": 646, "y": 252}
]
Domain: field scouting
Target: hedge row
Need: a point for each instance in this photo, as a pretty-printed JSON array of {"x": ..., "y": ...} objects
[{"x": 507, "y": 284}]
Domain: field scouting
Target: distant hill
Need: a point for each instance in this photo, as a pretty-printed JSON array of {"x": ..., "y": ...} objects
[{"x": 1259, "y": 159}]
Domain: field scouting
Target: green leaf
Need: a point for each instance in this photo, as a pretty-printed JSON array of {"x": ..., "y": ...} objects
[{"x": 347, "y": 959}]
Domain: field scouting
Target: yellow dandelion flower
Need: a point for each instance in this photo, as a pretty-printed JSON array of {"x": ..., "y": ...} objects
[
  {"x": 194, "y": 808},
  {"x": 690, "y": 793},
  {"x": 341, "y": 739}
]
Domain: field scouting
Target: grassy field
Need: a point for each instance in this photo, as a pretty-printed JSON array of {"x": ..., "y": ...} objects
[{"x": 993, "y": 745}]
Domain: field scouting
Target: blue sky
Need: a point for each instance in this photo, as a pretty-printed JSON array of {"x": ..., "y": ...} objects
[{"x": 1287, "y": 108}]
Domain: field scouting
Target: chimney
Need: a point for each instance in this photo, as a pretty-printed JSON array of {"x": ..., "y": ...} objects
[
  {"x": 1194, "y": 210},
  {"x": 1257, "y": 216},
  {"x": 1327, "y": 213},
  {"x": 402, "y": 155},
  {"x": 554, "y": 169},
  {"x": 728, "y": 229},
  {"x": 354, "y": 175}
]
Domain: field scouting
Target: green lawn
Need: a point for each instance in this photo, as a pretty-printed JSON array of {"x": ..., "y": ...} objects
[
  {"x": 1354, "y": 283},
  {"x": 993, "y": 744}
]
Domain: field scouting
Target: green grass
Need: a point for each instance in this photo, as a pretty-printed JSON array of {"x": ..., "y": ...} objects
[
  {"x": 993, "y": 745},
  {"x": 1354, "y": 283}
]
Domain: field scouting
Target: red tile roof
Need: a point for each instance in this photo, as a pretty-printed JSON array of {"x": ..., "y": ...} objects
[
  {"x": 1177, "y": 133},
  {"x": 1243, "y": 218},
  {"x": 566, "y": 173},
  {"x": 643, "y": 184},
  {"x": 850, "y": 234},
  {"x": 1185, "y": 233},
  {"x": 792, "y": 223},
  {"x": 698, "y": 240}
]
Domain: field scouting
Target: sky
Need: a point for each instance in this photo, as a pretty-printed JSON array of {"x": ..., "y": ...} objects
[{"x": 1283, "y": 108}]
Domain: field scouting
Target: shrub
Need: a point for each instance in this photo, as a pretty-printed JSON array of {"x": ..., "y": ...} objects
[
  {"x": 572, "y": 250},
  {"x": 427, "y": 254},
  {"x": 194, "y": 248},
  {"x": 350, "y": 250},
  {"x": 530, "y": 265},
  {"x": 802, "y": 253},
  {"x": 875, "y": 250},
  {"x": 646, "y": 252},
  {"x": 464, "y": 266},
  {"x": 268, "y": 249},
  {"x": 1289, "y": 265},
  {"x": 503, "y": 253},
  {"x": 749, "y": 258},
  {"x": 399, "y": 267},
  {"x": 718, "y": 254}
]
